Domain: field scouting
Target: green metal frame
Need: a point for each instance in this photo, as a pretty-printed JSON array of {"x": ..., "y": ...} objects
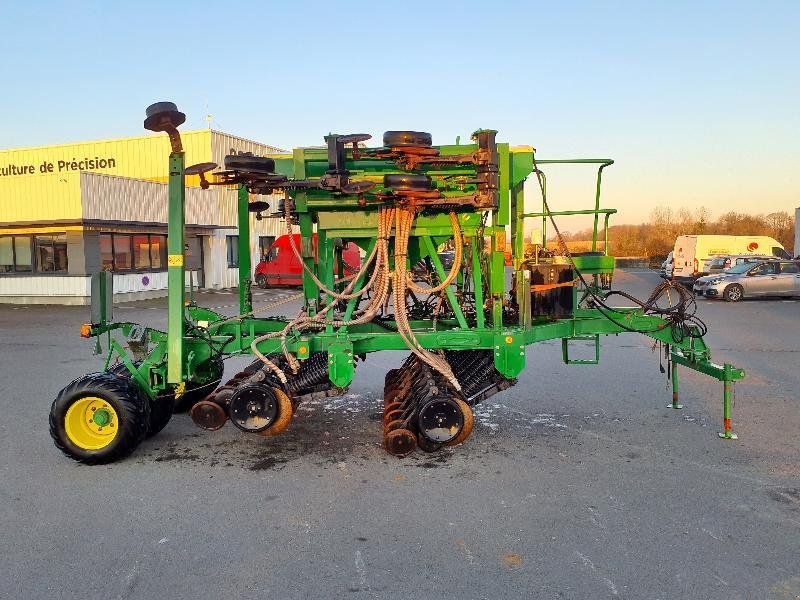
[{"x": 195, "y": 335}]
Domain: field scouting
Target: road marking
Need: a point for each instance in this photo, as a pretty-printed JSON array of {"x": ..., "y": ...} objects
[
  {"x": 587, "y": 562},
  {"x": 362, "y": 571}
]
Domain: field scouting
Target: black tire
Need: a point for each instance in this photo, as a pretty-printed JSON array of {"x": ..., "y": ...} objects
[
  {"x": 250, "y": 164},
  {"x": 131, "y": 408},
  {"x": 733, "y": 293},
  {"x": 394, "y": 139},
  {"x": 160, "y": 409},
  {"x": 261, "y": 281}
]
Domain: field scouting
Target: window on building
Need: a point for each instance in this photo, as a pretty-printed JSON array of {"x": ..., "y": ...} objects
[
  {"x": 158, "y": 251},
  {"x": 106, "y": 252},
  {"x": 264, "y": 244},
  {"x": 123, "y": 256},
  {"x": 232, "y": 248},
  {"x": 6, "y": 255},
  {"x": 141, "y": 252},
  {"x": 17, "y": 253},
  {"x": 23, "y": 255},
  {"x": 51, "y": 253},
  {"x": 133, "y": 252}
]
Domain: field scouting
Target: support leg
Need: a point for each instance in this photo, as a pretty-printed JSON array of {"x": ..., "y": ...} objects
[
  {"x": 726, "y": 408},
  {"x": 675, "y": 404}
]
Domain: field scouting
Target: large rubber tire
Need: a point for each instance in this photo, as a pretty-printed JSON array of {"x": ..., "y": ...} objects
[
  {"x": 261, "y": 281},
  {"x": 733, "y": 293},
  {"x": 250, "y": 164},
  {"x": 130, "y": 418},
  {"x": 160, "y": 409}
]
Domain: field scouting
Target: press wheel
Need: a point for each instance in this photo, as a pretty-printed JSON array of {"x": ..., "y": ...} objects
[
  {"x": 469, "y": 423},
  {"x": 285, "y": 412}
]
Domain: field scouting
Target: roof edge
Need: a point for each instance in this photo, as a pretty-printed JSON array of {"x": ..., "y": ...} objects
[{"x": 130, "y": 138}]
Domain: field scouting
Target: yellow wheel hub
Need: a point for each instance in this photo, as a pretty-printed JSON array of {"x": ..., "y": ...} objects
[{"x": 91, "y": 423}]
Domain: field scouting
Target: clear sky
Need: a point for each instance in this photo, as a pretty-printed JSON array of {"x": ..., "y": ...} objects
[{"x": 698, "y": 103}]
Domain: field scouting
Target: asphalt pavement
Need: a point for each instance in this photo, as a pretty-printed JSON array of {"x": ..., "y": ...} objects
[{"x": 577, "y": 483}]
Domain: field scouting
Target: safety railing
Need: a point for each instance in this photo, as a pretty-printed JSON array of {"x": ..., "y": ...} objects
[{"x": 545, "y": 214}]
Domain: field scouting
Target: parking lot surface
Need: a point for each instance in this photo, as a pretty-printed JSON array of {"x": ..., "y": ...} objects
[{"x": 577, "y": 483}]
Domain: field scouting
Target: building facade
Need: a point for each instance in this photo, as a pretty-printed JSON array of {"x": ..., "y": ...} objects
[{"x": 71, "y": 210}]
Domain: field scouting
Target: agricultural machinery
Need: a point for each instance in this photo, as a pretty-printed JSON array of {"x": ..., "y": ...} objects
[{"x": 466, "y": 326}]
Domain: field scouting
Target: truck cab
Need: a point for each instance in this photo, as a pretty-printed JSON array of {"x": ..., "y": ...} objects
[{"x": 281, "y": 267}]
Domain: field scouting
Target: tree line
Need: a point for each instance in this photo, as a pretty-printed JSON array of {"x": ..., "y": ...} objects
[{"x": 657, "y": 236}]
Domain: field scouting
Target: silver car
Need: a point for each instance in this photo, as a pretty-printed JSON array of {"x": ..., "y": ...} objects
[
  {"x": 726, "y": 261},
  {"x": 767, "y": 278}
]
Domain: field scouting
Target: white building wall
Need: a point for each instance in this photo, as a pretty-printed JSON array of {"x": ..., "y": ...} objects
[
  {"x": 71, "y": 289},
  {"x": 45, "y": 285},
  {"x": 121, "y": 199}
]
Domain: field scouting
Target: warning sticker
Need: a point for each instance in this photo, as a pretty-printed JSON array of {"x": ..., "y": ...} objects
[{"x": 175, "y": 260}]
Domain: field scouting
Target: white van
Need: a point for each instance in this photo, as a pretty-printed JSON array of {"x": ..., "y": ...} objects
[{"x": 691, "y": 251}]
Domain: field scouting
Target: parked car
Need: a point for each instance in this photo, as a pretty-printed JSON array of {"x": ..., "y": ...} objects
[
  {"x": 691, "y": 251},
  {"x": 280, "y": 265},
  {"x": 722, "y": 263},
  {"x": 666, "y": 267},
  {"x": 763, "y": 278}
]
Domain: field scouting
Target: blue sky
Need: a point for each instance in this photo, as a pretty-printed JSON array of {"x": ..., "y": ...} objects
[{"x": 697, "y": 102}]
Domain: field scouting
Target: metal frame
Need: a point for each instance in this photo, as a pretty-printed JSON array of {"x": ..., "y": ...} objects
[{"x": 175, "y": 354}]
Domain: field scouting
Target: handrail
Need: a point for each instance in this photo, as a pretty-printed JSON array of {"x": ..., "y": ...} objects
[
  {"x": 576, "y": 161},
  {"x": 566, "y": 213},
  {"x": 603, "y": 162}
]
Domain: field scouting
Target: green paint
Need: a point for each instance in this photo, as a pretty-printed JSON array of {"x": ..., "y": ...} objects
[
  {"x": 430, "y": 250},
  {"x": 595, "y": 339},
  {"x": 245, "y": 266},
  {"x": 509, "y": 353},
  {"x": 176, "y": 294},
  {"x": 177, "y": 356},
  {"x": 675, "y": 395},
  {"x": 341, "y": 363},
  {"x": 101, "y": 417}
]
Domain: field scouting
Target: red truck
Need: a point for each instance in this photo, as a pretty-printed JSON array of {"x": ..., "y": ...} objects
[{"x": 280, "y": 265}]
